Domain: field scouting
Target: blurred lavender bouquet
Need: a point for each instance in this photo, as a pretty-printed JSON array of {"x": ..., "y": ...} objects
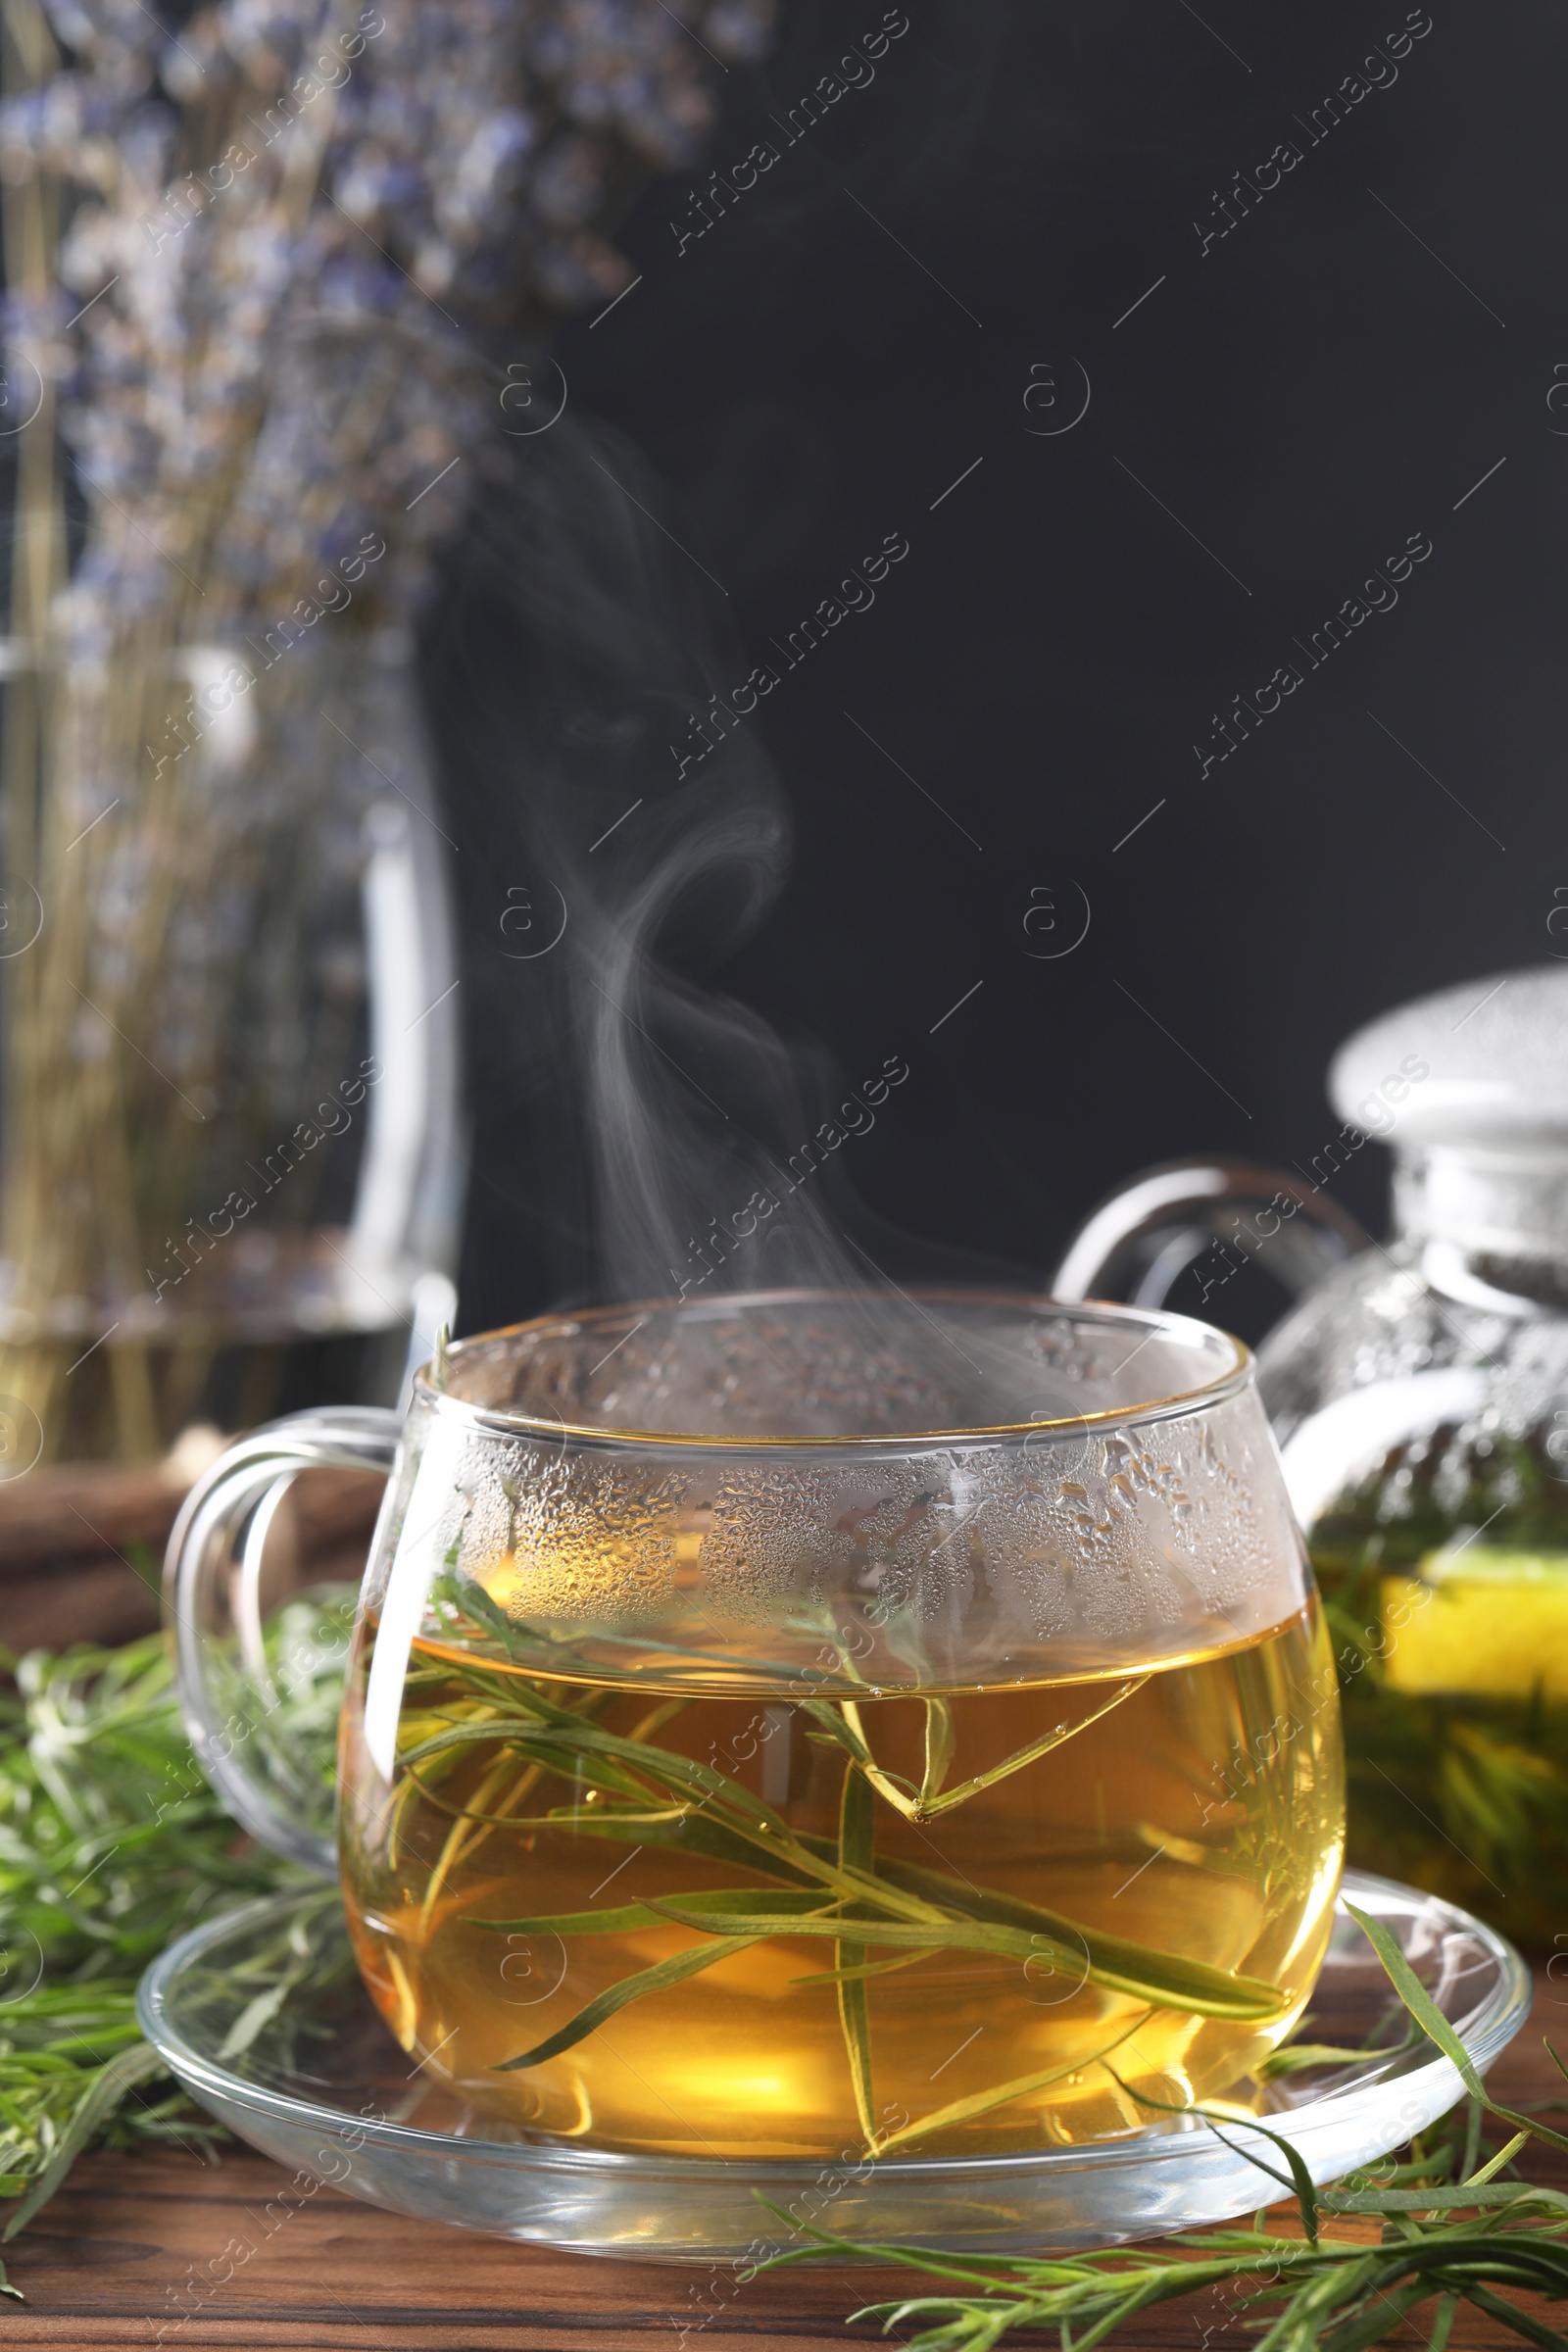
[{"x": 279, "y": 277}]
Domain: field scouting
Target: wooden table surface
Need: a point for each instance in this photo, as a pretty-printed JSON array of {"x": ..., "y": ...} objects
[{"x": 107, "y": 2260}]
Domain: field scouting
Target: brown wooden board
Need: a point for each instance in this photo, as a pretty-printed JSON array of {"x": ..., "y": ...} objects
[
  {"x": 80, "y": 1548},
  {"x": 111, "y": 2260}
]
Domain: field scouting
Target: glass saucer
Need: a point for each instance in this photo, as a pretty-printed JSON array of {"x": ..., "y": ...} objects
[{"x": 262, "y": 2016}]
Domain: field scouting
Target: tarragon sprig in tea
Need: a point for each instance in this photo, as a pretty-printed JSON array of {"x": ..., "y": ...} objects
[{"x": 875, "y": 1911}]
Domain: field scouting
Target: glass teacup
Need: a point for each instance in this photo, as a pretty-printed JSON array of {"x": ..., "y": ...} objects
[{"x": 807, "y": 1720}]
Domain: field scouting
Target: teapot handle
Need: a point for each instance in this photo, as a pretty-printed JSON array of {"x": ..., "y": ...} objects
[{"x": 1137, "y": 1243}]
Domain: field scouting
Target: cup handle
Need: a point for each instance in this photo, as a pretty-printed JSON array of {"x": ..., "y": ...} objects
[
  {"x": 212, "y": 1608},
  {"x": 1135, "y": 1244}
]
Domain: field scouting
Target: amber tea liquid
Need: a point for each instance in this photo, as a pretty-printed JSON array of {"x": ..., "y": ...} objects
[{"x": 502, "y": 1885}]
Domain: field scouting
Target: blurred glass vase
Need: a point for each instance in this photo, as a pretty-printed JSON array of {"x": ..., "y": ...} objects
[{"x": 232, "y": 1157}]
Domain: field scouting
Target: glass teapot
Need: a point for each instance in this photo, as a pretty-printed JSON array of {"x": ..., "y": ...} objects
[{"x": 1419, "y": 1391}]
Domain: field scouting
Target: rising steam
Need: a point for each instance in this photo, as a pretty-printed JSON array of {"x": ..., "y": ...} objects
[{"x": 655, "y": 1126}]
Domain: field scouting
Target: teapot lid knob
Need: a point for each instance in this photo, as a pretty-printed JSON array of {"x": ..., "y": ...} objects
[{"x": 1483, "y": 1062}]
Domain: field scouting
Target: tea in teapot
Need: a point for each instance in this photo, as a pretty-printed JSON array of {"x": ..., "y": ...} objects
[{"x": 1419, "y": 1391}]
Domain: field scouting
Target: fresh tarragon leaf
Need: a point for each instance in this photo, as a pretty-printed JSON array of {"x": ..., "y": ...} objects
[
  {"x": 630, "y": 1989},
  {"x": 856, "y": 1852}
]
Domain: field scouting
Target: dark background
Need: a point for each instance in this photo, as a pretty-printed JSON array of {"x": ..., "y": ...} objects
[{"x": 1305, "y": 396}]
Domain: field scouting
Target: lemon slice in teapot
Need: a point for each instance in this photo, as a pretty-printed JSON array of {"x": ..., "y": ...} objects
[{"x": 1493, "y": 1624}]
